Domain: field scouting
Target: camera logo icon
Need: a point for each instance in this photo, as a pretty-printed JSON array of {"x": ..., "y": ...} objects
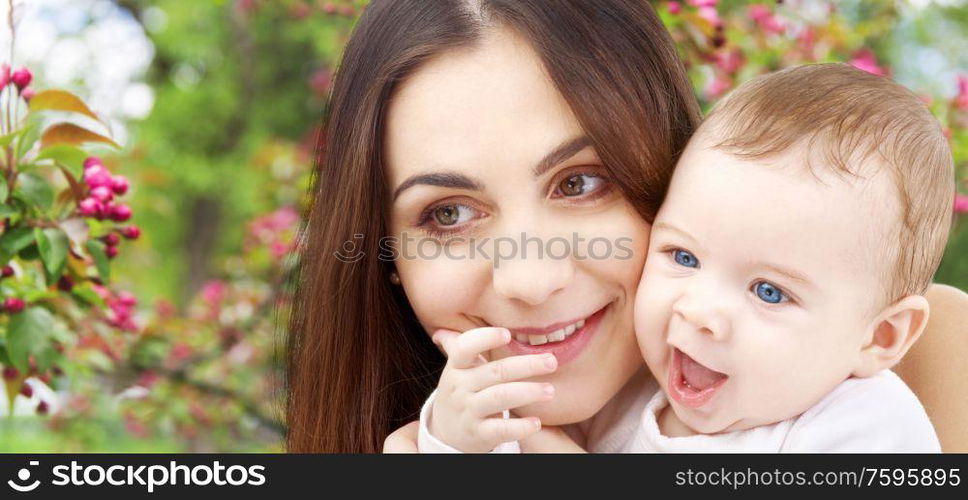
[
  {"x": 349, "y": 252},
  {"x": 23, "y": 475}
]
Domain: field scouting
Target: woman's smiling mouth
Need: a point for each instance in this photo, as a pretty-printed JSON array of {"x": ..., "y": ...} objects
[{"x": 565, "y": 340}]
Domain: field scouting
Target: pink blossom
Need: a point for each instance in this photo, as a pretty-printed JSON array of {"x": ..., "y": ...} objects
[
  {"x": 807, "y": 39},
  {"x": 717, "y": 86},
  {"x": 90, "y": 161},
  {"x": 21, "y": 78},
  {"x": 164, "y": 308},
  {"x": 148, "y": 379},
  {"x": 300, "y": 10},
  {"x": 702, "y": 3},
  {"x": 710, "y": 14},
  {"x": 729, "y": 62},
  {"x": 102, "y": 194},
  {"x": 865, "y": 60},
  {"x": 278, "y": 249},
  {"x": 89, "y": 207},
  {"x": 962, "y": 99},
  {"x": 119, "y": 184},
  {"x": 674, "y": 7},
  {"x": 765, "y": 19},
  {"x": 961, "y": 203},
  {"x": 127, "y": 299},
  {"x": 102, "y": 292},
  {"x": 96, "y": 176},
  {"x": 179, "y": 352},
  {"x": 27, "y": 93},
  {"x": 758, "y": 12},
  {"x": 120, "y": 213},
  {"x": 4, "y": 75},
  {"x": 283, "y": 218},
  {"x": 321, "y": 80},
  {"x": 213, "y": 292}
]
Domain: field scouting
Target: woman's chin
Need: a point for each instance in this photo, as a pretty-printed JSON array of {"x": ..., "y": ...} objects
[{"x": 559, "y": 412}]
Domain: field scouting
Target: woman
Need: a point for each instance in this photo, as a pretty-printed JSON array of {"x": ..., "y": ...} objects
[{"x": 454, "y": 122}]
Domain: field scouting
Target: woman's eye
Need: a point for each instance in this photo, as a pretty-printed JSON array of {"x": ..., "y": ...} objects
[
  {"x": 580, "y": 184},
  {"x": 684, "y": 258},
  {"x": 768, "y": 293},
  {"x": 451, "y": 215}
]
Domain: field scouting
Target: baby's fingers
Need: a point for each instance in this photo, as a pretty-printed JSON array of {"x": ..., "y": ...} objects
[
  {"x": 498, "y": 398},
  {"x": 511, "y": 369},
  {"x": 502, "y": 430},
  {"x": 463, "y": 350}
]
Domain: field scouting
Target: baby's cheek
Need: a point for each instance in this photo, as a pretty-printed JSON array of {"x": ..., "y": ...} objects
[{"x": 653, "y": 307}]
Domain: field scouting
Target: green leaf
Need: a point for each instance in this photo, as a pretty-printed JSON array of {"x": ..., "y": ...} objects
[
  {"x": 16, "y": 240},
  {"x": 52, "y": 244},
  {"x": 34, "y": 189},
  {"x": 71, "y": 157},
  {"x": 28, "y": 136},
  {"x": 3, "y": 189},
  {"x": 88, "y": 296},
  {"x": 7, "y": 139},
  {"x": 29, "y": 253},
  {"x": 96, "y": 249},
  {"x": 68, "y": 133},
  {"x": 60, "y": 100},
  {"x": 7, "y": 211},
  {"x": 38, "y": 294},
  {"x": 27, "y": 334}
]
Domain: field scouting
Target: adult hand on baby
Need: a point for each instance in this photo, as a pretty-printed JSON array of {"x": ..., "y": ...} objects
[{"x": 473, "y": 392}]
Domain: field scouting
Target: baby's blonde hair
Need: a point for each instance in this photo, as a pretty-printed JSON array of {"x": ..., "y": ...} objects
[{"x": 848, "y": 117}]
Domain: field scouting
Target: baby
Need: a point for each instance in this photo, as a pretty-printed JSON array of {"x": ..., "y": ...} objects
[
  {"x": 786, "y": 269},
  {"x": 805, "y": 219}
]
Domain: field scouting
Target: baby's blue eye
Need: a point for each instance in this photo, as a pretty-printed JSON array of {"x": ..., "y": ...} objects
[
  {"x": 768, "y": 293},
  {"x": 684, "y": 258}
]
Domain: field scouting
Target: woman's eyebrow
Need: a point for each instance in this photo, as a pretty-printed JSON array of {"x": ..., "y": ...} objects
[
  {"x": 441, "y": 179},
  {"x": 561, "y": 153}
]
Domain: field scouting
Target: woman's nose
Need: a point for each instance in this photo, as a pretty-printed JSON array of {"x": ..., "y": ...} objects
[
  {"x": 531, "y": 277},
  {"x": 704, "y": 309}
]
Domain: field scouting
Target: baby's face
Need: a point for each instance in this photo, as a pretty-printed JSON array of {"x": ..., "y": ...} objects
[{"x": 760, "y": 286}]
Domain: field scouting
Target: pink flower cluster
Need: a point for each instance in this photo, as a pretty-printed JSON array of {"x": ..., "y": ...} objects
[
  {"x": 213, "y": 293},
  {"x": 866, "y": 60},
  {"x": 765, "y": 18},
  {"x": 961, "y": 204},
  {"x": 269, "y": 229},
  {"x": 121, "y": 307},
  {"x": 20, "y": 79},
  {"x": 961, "y": 100},
  {"x": 102, "y": 188}
]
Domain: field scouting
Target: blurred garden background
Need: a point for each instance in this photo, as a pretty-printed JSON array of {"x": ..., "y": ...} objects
[{"x": 150, "y": 210}]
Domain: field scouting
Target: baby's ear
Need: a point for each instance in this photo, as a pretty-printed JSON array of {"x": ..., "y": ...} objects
[{"x": 891, "y": 334}]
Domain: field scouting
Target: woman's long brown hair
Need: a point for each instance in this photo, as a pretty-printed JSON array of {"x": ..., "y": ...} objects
[{"x": 359, "y": 363}]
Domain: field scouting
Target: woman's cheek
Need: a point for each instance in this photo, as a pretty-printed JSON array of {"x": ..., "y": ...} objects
[{"x": 443, "y": 289}]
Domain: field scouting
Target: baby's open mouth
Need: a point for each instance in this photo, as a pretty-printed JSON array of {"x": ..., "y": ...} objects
[{"x": 690, "y": 383}]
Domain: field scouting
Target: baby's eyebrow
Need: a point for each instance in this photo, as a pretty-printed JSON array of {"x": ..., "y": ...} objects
[
  {"x": 789, "y": 273},
  {"x": 660, "y": 226}
]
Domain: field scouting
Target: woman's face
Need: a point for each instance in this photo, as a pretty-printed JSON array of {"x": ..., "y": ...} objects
[{"x": 504, "y": 216}]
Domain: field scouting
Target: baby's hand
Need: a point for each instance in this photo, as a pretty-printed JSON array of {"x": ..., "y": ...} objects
[{"x": 473, "y": 392}]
